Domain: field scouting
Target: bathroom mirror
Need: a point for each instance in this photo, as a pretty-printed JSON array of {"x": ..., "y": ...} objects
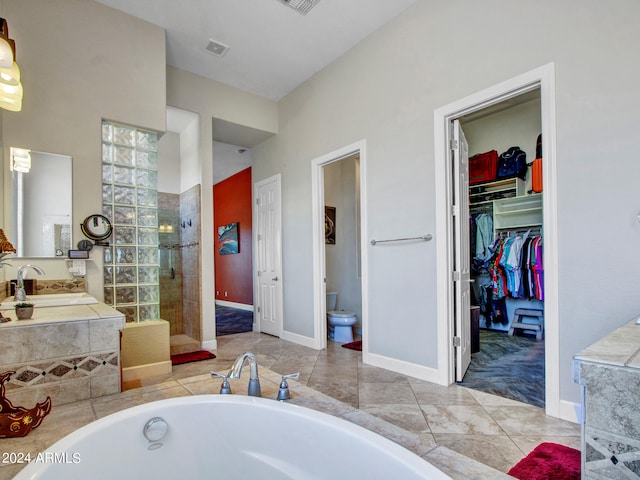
[{"x": 41, "y": 203}]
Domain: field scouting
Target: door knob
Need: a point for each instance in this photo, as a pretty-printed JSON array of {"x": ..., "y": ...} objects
[{"x": 275, "y": 279}]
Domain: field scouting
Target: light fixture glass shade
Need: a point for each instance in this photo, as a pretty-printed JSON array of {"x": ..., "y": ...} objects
[
  {"x": 11, "y": 105},
  {"x": 6, "y": 54},
  {"x": 10, "y": 76},
  {"x": 7, "y": 91}
]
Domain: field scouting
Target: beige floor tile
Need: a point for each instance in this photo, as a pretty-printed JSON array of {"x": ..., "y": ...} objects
[
  {"x": 377, "y": 393},
  {"x": 528, "y": 443},
  {"x": 432, "y": 394},
  {"x": 528, "y": 420},
  {"x": 497, "y": 451},
  {"x": 460, "y": 419},
  {"x": 407, "y": 416}
]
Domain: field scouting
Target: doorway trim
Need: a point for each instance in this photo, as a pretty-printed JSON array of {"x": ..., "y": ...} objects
[
  {"x": 544, "y": 79},
  {"x": 319, "y": 265}
]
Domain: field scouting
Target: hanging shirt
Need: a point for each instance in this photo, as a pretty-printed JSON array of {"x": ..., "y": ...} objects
[
  {"x": 484, "y": 237},
  {"x": 538, "y": 268}
]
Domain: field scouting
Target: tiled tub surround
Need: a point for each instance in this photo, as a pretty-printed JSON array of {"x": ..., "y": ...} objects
[
  {"x": 69, "y": 353},
  {"x": 609, "y": 372},
  {"x": 70, "y": 417}
]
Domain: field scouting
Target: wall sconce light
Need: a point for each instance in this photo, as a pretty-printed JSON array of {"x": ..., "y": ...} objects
[
  {"x": 20, "y": 160},
  {"x": 11, "y": 90},
  {"x": 6, "y": 52}
]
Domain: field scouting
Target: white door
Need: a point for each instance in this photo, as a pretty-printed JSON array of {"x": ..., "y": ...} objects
[
  {"x": 269, "y": 256},
  {"x": 462, "y": 255}
]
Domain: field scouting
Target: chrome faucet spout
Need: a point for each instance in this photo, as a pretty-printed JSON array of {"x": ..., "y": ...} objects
[
  {"x": 21, "y": 295},
  {"x": 236, "y": 371}
]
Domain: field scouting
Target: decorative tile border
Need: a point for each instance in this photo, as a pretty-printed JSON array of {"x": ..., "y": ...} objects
[
  {"x": 44, "y": 287},
  {"x": 58, "y": 371},
  {"x": 76, "y": 285},
  {"x": 611, "y": 456}
]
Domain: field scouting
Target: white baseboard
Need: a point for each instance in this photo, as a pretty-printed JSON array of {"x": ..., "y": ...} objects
[
  {"x": 144, "y": 371},
  {"x": 572, "y": 412},
  {"x": 239, "y": 306},
  {"x": 209, "y": 345},
  {"x": 411, "y": 369},
  {"x": 299, "y": 339}
]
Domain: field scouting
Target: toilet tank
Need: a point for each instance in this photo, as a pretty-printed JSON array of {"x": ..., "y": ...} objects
[{"x": 332, "y": 298}]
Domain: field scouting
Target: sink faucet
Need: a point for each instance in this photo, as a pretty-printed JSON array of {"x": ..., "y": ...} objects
[
  {"x": 21, "y": 295},
  {"x": 236, "y": 371}
]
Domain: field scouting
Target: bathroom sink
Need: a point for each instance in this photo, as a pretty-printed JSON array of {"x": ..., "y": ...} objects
[{"x": 52, "y": 300}]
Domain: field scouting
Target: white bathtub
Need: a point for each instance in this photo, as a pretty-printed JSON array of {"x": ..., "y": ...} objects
[{"x": 227, "y": 437}]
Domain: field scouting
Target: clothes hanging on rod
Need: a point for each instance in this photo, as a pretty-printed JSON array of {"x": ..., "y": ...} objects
[
  {"x": 481, "y": 239},
  {"x": 516, "y": 267}
]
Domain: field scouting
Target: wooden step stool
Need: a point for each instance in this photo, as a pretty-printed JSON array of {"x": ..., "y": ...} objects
[{"x": 537, "y": 325}]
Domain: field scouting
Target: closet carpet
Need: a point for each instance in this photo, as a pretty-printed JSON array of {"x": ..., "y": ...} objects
[
  {"x": 510, "y": 367},
  {"x": 232, "y": 320}
]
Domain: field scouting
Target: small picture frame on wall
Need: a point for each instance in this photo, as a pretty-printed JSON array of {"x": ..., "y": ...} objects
[
  {"x": 330, "y": 225},
  {"x": 228, "y": 239}
]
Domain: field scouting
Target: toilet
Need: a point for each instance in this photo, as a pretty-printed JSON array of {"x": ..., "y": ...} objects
[{"x": 341, "y": 322}]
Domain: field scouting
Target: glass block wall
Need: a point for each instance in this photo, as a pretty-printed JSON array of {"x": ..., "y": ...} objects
[{"x": 130, "y": 201}]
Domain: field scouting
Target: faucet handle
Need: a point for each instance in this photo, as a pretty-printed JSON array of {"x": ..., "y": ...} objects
[
  {"x": 283, "y": 391},
  {"x": 225, "y": 388}
]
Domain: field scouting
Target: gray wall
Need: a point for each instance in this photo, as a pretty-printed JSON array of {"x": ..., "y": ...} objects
[{"x": 385, "y": 91}]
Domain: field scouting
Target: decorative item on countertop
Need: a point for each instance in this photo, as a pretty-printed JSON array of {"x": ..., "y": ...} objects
[
  {"x": 24, "y": 311},
  {"x": 6, "y": 249},
  {"x": 19, "y": 421}
]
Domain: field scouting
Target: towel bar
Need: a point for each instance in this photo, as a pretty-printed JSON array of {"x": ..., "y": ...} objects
[{"x": 426, "y": 238}]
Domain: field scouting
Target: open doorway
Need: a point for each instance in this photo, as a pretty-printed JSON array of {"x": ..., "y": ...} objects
[
  {"x": 450, "y": 335},
  {"x": 342, "y": 251},
  {"x": 505, "y": 243},
  {"x": 339, "y": 256}
]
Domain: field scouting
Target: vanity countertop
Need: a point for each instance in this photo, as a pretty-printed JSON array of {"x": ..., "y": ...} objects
[
  {"x": 619, "y": 348},
  {"x": 58, "y": 314}
]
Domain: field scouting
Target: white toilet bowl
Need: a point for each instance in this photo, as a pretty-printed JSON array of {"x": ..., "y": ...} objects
[{"x": 341, "y": 322}]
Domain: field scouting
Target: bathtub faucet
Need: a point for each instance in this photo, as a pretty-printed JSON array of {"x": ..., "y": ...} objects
[
  {"x": 21, "y": 295},
  {"x": 236, "y": 371}
]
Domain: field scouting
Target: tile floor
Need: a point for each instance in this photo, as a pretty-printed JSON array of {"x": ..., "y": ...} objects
[
  {"x": 433, "y": 421},
  {"x": 495, "y": 431}
]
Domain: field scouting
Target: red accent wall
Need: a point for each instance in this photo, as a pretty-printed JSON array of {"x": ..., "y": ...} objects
[{"x": 234, "y": 273}]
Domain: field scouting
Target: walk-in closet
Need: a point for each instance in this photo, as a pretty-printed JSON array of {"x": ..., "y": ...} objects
[{"x": 506, "y": 243}]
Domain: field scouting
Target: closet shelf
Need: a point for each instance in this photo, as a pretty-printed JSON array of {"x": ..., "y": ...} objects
[
  {"x": 518, "y": 226},
  {"x": 521, "y": 211}
]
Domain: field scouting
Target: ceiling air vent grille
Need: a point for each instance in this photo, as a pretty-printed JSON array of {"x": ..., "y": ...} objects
[
  {"x": 301, "y": 6},
  {"x": 216, "y": 48}
]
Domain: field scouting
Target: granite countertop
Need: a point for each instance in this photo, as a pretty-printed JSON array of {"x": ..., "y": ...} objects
[
  {"x": 65, "y": 313},
  {"x": 620, "y": 348}
]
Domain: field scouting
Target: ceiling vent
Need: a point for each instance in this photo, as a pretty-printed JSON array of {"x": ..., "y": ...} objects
[
  {"x": 216, "y": 48},
  {"x": 301, "y": 6}
]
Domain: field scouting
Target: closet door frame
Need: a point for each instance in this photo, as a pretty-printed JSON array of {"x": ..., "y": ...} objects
[{"x": 542, "y": 78}]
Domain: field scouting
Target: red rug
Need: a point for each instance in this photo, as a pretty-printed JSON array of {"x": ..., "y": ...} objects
[
  {"x": 357, "y": 345},
  {"x": 191, "y": 357},
  {"x": 549, "y": 461}
]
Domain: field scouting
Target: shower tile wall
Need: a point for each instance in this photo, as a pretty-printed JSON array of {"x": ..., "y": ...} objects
[
  {"x": 190, "y": 237},
  {"x": 170, "y": 261}
]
